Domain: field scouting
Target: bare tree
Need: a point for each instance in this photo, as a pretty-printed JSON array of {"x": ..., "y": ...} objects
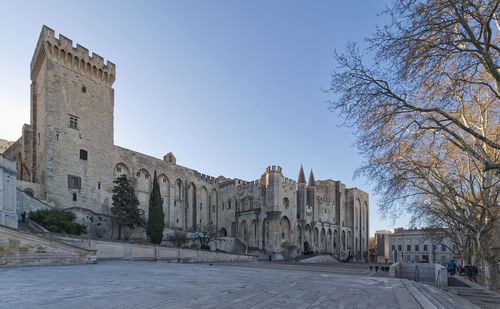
[
  {"x": 426, "y": 111},
  {"x": 208, "y": 234}
]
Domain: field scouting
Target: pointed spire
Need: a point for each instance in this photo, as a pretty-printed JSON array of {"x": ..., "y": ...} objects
[
  {"x": 302, "y": 177},
  {"x": 311, "y": 179}
]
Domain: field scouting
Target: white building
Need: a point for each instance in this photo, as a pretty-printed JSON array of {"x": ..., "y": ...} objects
[{"x": 420, "y": 246}]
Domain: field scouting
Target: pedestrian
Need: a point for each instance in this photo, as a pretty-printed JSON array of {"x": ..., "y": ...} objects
[
  {"x": 468, "y": 272},
  {"x": 371, "y": 267},
  {"x": 23, "y": 216},
  {"x": 452, "y": 266},
  {"x": 474, "y": 272},
  {"x": 376, "y": 268}
]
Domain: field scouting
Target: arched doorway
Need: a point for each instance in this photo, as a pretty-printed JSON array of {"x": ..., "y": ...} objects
[
  {"x": 233, "y": 229},
  {"x": 223, "y": 232},
  {"x": 285, "y": 230}
]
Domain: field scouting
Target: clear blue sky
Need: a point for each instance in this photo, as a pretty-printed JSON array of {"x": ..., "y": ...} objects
[{"x": 229, "y": 87}]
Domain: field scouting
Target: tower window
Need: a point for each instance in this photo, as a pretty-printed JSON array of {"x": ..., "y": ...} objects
[
  {"x": 164, "y": 180},
  {"x": 74, "y": 196},
  {"x": 84, "y": 89},
  {"x": 118, "y": 169},
  {"x": 146, "y": 176},
  {"x": 138, "y": 174},
  {"x": 74, "y": 182},
  {"x": 73, "y": 122},
  {"x": 99, "y": 185},
  {"x": 83, "y": 154}
]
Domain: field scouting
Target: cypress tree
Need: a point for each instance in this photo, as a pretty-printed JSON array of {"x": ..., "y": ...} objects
[
  {"x": 154, "y": 228},
  {"x": 125, "y": 204}
]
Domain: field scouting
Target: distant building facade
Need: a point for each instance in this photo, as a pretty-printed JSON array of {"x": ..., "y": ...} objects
[
  {"x": 420, "y": 246},
  {"x": 67, "y": 157},
  {"x": 382, "y": 249}
]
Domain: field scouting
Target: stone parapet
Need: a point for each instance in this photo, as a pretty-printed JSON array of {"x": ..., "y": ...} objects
[{"x": 78, "y": 58}]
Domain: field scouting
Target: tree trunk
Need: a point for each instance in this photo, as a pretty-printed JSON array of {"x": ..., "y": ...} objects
[
  {"x": 488, "y": 262},
  {"x": 490, "y": 273},
  {"x": 119, "y": 232}
]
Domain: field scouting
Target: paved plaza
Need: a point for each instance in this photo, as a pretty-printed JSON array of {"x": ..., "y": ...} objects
[{"x": 135, "y": 284}]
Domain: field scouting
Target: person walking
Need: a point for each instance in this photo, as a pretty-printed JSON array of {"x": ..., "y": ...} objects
[
  {"x": 474, "y": 272},
  {"x": 452, "y": 266}
]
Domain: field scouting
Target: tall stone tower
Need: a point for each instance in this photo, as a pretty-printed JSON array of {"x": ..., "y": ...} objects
[{"x": 72, "y": 121}]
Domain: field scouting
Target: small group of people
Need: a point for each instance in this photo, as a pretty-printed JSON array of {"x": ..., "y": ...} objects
[
  {"x": 382, "y": 268},
  {"x": 469, "y": 271}
]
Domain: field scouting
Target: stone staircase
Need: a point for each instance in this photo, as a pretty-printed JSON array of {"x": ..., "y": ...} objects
[
  {"x": 30, "y": 226},
  {"x": 431, "y": 297},
  {"x": 473, "y": 292},
  {"x": 22, "y": 248}
]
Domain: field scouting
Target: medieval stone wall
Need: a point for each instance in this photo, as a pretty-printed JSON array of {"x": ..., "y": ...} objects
[{"x": 69, "y": 152}]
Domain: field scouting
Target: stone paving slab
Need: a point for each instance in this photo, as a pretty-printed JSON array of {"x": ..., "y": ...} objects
[{"x": 134, "y": 284}]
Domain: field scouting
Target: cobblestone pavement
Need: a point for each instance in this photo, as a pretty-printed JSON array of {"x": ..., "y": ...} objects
[{"x": 135, "y": 284}]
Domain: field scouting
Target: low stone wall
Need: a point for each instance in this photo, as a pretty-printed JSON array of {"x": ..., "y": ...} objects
[
  {"x": 132, "y": 251},
  {"x": 320, "y": 259},
  {"x": 422, "y": 272},
  {"x": 395, "y": 270},
  {"x": 24, "y": 249},
  {"x": 440, "y": 275},
  {"x": 227, "y": 244}
]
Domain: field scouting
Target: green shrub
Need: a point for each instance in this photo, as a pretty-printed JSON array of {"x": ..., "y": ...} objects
[{"x": 58, "y": 221}]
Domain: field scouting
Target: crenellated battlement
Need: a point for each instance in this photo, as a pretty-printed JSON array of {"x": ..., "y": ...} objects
[
  {"x": 273, "y": 169},
  {"x": 250, "y": 184},
  {"x": 77, "y": 58},
  {"x": 287, "y": 182},
  {"x": 208, "y": 179}
]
